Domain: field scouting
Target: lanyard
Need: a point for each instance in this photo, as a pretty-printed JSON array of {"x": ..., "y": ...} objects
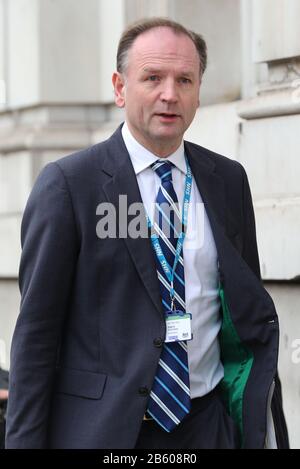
[{"x": 154, "y": 237}]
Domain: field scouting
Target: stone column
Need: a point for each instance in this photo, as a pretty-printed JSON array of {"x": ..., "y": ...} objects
[
  {"x": 275, "y": 42},
  {"x": 56, "y": 61},
  {"x": 59, "y": 50},
  {"x": 269, "y": 149}
]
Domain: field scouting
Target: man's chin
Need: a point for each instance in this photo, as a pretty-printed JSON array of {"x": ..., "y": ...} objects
[{"x": 168, "y": 132}]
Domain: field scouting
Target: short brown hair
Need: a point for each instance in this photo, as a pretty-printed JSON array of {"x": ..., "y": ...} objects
[{"x": 133, "y": 31}]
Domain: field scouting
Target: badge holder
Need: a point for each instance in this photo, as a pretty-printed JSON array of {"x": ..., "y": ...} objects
[{"x": 178, "y": 324}]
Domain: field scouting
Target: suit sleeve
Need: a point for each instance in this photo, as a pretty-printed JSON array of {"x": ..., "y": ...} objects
[
  {"x": 281, "y": 430},
  {"x": 49, "y": 252},
  {"x": 250, "y": 254}
]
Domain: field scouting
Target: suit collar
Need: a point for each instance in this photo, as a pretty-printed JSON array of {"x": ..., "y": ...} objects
[
  {"x": 116, "y": 157},
  {"x": 210, "y": 184}
]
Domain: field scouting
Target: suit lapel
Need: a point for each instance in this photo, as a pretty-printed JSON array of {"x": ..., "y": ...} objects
[
  {"x": 211, "y": 188},
  {"x": 233, "y": 269},
  {"x": 122, "y": 181}
]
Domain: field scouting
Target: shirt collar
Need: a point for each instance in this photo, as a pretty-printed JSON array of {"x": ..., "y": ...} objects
[{"x": 142, "y": 158}]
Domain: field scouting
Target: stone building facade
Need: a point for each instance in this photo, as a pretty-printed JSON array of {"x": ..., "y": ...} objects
[{"x": 56, "y": 61}]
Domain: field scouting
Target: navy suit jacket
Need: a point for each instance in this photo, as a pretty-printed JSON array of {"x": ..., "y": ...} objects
[{"x": 85, "y": 349}]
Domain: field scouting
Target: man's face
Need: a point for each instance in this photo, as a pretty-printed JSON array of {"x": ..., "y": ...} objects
[{"x": 159, "y": 89}]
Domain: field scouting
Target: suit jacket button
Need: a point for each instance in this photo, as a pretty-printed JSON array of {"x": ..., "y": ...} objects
[
  {"x": 143, "y": 391},
  {"x": 158, "y": 342}
]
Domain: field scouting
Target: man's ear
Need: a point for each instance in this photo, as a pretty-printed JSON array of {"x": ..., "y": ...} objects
[{"x": 119, "y": 89}]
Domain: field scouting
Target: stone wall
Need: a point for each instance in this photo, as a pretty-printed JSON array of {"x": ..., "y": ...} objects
[{"x": 56, "y": 60}]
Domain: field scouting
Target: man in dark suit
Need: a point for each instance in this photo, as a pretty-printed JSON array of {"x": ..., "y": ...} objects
[{"x": 139, "y": 339}]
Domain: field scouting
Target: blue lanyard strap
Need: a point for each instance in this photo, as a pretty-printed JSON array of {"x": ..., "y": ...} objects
[{"x": 154, "y": 237}]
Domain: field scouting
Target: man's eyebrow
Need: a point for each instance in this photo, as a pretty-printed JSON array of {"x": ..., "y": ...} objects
[
  {"x": 152, "y": 70},
  {"x": 186, "y": 73}
]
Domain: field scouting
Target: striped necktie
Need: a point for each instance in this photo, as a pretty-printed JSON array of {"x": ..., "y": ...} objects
[{"x": 169, "y": 400}]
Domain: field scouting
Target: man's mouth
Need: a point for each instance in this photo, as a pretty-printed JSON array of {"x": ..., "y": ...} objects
[{"x": 167, "y": 115}]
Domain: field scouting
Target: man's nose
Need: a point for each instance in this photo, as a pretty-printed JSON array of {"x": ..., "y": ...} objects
[{"x": 169, "y": 92}]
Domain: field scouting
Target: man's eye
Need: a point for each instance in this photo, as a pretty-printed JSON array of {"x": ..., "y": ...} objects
[
  {"x": 153, "y": 78},
  {"x": 185, "y": 80}
]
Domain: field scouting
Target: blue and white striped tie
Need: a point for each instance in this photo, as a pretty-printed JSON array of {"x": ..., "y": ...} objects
[{"x": 169, "y": 400}]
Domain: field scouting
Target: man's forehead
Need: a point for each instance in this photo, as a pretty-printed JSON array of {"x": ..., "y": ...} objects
[{"x": 164, "y": 44}]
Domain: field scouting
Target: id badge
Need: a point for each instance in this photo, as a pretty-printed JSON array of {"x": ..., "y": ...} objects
[{"x": 178, "y": 326}]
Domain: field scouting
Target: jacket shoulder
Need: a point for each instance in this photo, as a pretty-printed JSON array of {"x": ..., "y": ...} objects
[
  {"x": 222, "y": 163},
  {"x": 82, "y": 159}
]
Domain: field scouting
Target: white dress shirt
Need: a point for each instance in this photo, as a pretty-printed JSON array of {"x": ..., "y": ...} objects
[{"x": 200, "y": 264}]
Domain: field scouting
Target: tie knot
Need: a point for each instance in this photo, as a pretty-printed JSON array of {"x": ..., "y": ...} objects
[{"x": 163, "y": 169}]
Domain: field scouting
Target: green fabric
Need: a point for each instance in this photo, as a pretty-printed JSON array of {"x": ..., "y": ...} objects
[{"x": 237, "y": 361}]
